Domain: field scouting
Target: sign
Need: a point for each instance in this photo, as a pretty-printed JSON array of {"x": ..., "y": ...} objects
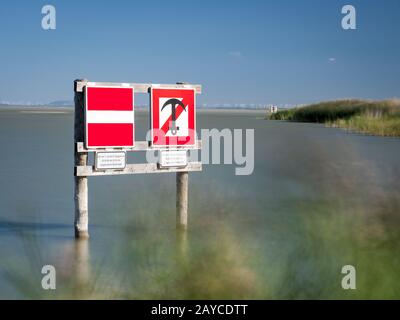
[
  {"x": 110, "y": 160},
  {"x": 173, "y": 158},
  {"x": 173, "y": 117},
  {"x": 109, "y": 117}
]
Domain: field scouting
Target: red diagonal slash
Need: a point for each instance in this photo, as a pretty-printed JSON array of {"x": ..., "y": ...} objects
[{"x": 165, "y": 126}]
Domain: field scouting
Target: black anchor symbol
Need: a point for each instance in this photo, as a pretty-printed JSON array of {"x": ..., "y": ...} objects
[{"x": 174, "y": 103}]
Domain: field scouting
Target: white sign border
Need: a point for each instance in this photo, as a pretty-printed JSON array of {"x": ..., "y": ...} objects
[
  {"x": 176, "y": 146},
  {"x": 86, "y": 124}
]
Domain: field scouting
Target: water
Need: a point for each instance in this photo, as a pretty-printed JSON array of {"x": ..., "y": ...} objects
[{"x": 318, "y": 199}]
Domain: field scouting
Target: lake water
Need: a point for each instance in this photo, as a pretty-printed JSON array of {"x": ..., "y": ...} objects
[{"x": 318, "y": 199}]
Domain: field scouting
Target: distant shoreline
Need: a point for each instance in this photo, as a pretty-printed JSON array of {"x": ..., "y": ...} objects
[
  {"x": 380, "y": 118},
  {"x": 28, "y": 108},
  {"x": 144, "y": 110}
]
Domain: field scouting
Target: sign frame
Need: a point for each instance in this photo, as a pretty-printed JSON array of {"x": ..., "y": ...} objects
[
  {"x": 83, "y": 168},
  {"x": 173, "y": 146}
]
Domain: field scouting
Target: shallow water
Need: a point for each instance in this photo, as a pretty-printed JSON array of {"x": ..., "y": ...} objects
[{"x": 319, "y": 199}]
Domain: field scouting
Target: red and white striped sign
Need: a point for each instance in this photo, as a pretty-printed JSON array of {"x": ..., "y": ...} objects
[
  {"x": 173, "y": 117},
  {"x": 109, "y": 117}
]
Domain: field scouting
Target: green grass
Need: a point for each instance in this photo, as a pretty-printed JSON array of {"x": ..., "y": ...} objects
[{"x": 372, "y": 117}]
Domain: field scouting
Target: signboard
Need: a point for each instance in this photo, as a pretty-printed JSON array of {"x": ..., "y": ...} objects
[
  {"x": 110, "y": 160},
  {"x": 173, "y": 117},
  {"x": 109, "y": 117},
  {"x": 173, "y": 158}
]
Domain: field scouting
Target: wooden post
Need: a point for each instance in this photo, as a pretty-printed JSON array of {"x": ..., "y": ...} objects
[
  {"x": 182, "y": 200},
  {"x": 81, "y": 183}
]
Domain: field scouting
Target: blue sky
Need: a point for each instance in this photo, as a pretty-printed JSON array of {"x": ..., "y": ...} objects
[{"x": 283, "y": 52}]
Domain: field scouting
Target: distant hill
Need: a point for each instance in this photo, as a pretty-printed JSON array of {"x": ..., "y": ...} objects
[
  {"x": 70, "y": 103},
  {"x": 61, "y": 103},
  {"x": 58, "y": 103}
]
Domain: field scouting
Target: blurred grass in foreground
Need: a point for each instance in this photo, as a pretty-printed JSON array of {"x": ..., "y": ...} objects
[
  {"x": 372, "y": 117},
  {"x": 299, "y": 256}
]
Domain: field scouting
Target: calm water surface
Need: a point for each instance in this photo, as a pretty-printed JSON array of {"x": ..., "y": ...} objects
[{"x": 318, "y": 199}]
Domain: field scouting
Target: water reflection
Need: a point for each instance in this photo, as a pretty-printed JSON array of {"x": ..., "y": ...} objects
[
  {"x": 76, "y": 268},
  {"x": 181, "y": 246}
]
